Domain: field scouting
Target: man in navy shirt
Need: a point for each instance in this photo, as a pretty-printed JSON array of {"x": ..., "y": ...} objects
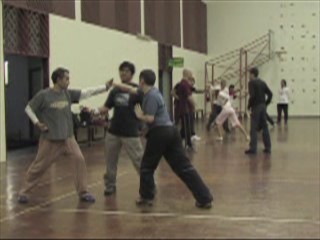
[
  {"x": 124, "y": 130},
  {"x": 163, "y": 140}
]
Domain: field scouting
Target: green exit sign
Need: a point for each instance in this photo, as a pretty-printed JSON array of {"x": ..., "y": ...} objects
[{"x": 176, "y": 62}]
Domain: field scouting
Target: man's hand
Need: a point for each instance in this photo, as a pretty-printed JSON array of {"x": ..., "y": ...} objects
[
  {"x": 42, "y": 127},
  {"x": 138, "y": 111},
  {"x": 109, "y": 84}
]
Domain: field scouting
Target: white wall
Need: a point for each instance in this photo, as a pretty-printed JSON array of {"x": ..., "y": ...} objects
[
  {"x": 232, "y": 24},
  {"x": 195, "y": 62},
  {"x": 93, "y": 54}
]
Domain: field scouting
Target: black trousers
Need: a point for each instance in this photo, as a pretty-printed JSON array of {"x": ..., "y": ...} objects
[
  {"x": 269, "y": 119},
  {"x": 284, "y": 108},
  {"x": 187, "y": 128},
  {"x": 259, "y": 122},
  {"x": 216, "y": 111},
  {"x": 176, "y": 114},
  {"x": 193, "y": 118},
  {"x": 166, "y": 141}
]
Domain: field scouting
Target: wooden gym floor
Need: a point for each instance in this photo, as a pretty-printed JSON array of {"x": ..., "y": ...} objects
[{"x": 274, "y": 196}]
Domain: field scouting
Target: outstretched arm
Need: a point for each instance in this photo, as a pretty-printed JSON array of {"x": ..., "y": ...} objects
[
  {"x": 126, "y": 88},
  {"x": 90, "y": 92}
]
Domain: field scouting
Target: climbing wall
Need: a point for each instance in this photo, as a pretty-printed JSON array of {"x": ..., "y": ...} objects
[
  {"x": 295, "y": 26},
  {"x": 297, "y": 34}
]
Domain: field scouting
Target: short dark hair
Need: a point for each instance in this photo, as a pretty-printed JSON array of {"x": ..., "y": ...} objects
[
  {"x": 148, "y": 76},
  {"x": 128, "y": 65},
  {"x": 58, "y": 73},
  {"x": 254, "y": 71},
  {"x": 231, "y": 86},
  {"x": 284, "y": 81}
]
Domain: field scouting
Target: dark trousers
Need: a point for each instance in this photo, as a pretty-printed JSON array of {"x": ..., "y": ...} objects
[
  {"x": 193, "y": 117},
  {"x": 269, "y": 119},
  {"x": 216, "y": 111},
  {"x": 187, "y": 127},
  {"x": 176, "y": 115},
  {"x": 258, "y": 122},
  {"x": 166, "y": 141},
  {"x": 284, "y": 108}
]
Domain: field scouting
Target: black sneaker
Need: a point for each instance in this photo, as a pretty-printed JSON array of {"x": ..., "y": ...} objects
[
  {"x": 267, "y": 151},
  {"x": 249, "y": 151},
  {"x": 204, "y": 205},
  {"x": 110, "y": 191},
  {"x": 144, "y": 202},
  {"x": 22, "y": 199}
]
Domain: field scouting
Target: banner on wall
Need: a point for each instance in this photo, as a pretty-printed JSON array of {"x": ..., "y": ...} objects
[{"x": 176, "y": 62}]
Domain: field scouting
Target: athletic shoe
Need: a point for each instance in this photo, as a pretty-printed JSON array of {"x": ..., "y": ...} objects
[
  {"x": 22, "y": 199},
  {"x": 267, "y": 151},
  {"x": 195, "y": 138},
  {"x": 87, "y": 197},
  {"x": 144, "y": 202},
  {"x": 110, "y": 191},
  {"x": 190, "y": 148},
  {"x": 249, "y": 151},
  {"x": 220, "y": 139},
  {"x": 204, "y": 205}
]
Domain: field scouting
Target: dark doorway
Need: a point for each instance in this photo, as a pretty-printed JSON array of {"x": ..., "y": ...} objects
[
  {"x": 165, "y": 75},
  {"x": 26, "y": 77}
]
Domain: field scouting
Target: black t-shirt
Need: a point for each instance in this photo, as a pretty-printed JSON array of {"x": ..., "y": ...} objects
[{"x": 124, "y": 122}]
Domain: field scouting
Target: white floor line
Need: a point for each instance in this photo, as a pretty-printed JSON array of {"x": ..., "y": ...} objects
[
  {"x": 194, "y": 216},
  {"x": 53, "y": 200},
  {"x": 58, "y": 179}
]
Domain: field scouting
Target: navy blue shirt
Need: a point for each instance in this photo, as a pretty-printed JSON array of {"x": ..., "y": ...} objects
[
  {"x": 153, "y": 105},
  {"x": 124, "y": 122}
]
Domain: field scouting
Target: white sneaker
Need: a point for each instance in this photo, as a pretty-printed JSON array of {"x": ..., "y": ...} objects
[
  {"x": 220, "y": 139},
  {"x": 195, "y": 138}
]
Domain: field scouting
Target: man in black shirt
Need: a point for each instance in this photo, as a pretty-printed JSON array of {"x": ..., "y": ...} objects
[
  {"x": 124, "y": 128},
  {"x": 258, "y": 90}
]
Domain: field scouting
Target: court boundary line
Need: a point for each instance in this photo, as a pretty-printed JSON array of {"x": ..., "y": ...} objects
[
  {"x": 194, "y": 216},
  {"x": 52, "y": 200}
]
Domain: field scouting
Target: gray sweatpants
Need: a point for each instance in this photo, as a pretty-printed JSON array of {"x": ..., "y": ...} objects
[{"x": 113, "y": 145}]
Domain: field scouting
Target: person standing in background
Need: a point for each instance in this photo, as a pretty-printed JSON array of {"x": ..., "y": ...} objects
[
  {"x": 283, "y": 103},
  {"x": 258, "y": 90},
  {"x": 185, "y": 75},
  {"x": 186, "y": 110}
]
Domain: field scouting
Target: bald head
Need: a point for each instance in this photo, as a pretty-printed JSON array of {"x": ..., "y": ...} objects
[
  {"x": 223, "y": 84},
  {"x": 186, "y": 74}
]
